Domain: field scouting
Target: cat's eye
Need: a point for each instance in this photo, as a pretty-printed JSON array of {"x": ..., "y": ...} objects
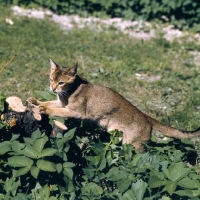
[{"x": 61, "y": 83}]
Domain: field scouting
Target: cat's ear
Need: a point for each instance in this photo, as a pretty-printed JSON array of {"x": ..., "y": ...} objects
[
  {"x": 53, "y": 65},
  {"x": 73, "y": 70}
]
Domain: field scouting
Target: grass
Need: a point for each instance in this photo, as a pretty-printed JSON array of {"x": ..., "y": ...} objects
[{"x": 108, "y": 58}]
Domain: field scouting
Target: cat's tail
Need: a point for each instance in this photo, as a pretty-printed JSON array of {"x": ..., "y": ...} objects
[{"x": 173, "y": 132}]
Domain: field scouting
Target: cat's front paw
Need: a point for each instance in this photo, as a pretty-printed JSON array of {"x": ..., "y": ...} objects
[
  {"x": 33, "y": 101},
  {"x": 43, "y": 109}
]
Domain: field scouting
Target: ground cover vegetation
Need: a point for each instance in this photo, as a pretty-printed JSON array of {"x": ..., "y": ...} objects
[
  {"x": 157, "y": 76},
  {"x": 183, "y": 14}
]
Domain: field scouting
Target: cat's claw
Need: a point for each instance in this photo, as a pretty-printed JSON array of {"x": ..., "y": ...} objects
[
  {"x": 33, "y": 102},
  {"x": 42, "y": 109}
]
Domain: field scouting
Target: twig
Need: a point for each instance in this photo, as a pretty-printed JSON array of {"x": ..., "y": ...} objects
[{"x": 7, "y": 63}]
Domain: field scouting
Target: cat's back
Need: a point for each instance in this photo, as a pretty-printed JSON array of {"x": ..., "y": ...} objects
[{"x": 105, "y": 98}]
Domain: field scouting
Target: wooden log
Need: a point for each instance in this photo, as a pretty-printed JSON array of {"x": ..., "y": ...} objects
[{"x": 25, "y": 119}]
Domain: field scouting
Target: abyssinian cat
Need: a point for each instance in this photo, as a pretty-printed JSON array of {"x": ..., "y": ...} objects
[{"x": 77, "y": 98}]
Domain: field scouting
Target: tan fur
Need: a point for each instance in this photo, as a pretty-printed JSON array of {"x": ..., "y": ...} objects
[{"x": 77, "y": 98}]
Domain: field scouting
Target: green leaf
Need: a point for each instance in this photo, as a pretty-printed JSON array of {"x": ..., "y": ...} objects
[
  {"x": 92, "y": 188},
  {"x": 14, "y": 137},
  {"x": 34, "y": 172},
  {"x": 68, "y": 172},
  {"x": 44, "y": 96},
  {"x": 115, "y": 174},
  {"x": 20, "y": 161},
  {"x": 11, "y": 186},
  {"x": 68, "y": 164},
  {"x": 123, "y": 185},
  {"x": 47, "y": 152},
  {"x": 46, "y": 165},
  {"x": 36, "y": 134},
  {"x": 139, "y": 189},
  {"x": 188, "y": 193},
  {"x": 170, "y": 187},
  {"x": 40, "y": 142},
  {"x": 69, "y": 135},
  {"x": 102, "y": 163},
  {"x": 4, "y": 147},
  {"x": 59, "y": 167},
  {"x": 88, "y": 172},
  {"x": 22, "y": 171},
  {"x": 188, "y": 183},
  {"x": 177, "y": 171},
  {"x": 17, "y": 147},
  {"x": 30, "y": 152}
]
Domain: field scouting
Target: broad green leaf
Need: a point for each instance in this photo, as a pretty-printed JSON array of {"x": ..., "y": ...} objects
[
  {"x": 88, "y": 172},
  {"x": 44, "y": 96},
  {"x": 92, "y": 188},
  {"x": 4, "y": 147},
  {"x": 166, "y": 172},
  {"x": 68, "y": 164},
  {"x": 139, "y": 189},
  {"x": 170, "y": 187},
  {"x": 123, "y": 185},
  {"x": 157, "y": 184},
  {"x": 135, "y": 159},
  {"x": 28, "y": 141},
  {"x": 69, "y": 135},
  {"x": 17, "y": 147},
  {"x": 59, "y": 167},
  {"x": 34, "y": 171},
  {"x": 68, "y": 172},
  {"x": 177, "y": 171},
  {"x": 102, "y": 163},
  {"x": 59, "y": 144},
  {"x": 128, "y": 195},
  {"x": 114, "y": 140},
  {"x": 14, "y": 137},
  {"x": 30, "y": 152},
  {"x": 46, "y": 152},
  {"x": 40, "y": 142},
  {"x": 20, "y": 161},
  {"x": 188, "y": 193},
  {"x": 22, "y": 171},
  {"x": 11, "y": 186},
  {"x": 36, "y": 134},
  {"x": 46, "y": 165},
  {"x": 188, "y": 183},
  {"x": 114, "y": 174}
]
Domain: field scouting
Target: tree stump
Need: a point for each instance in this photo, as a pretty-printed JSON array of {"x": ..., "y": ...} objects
[{"x": 25, "y": 119}]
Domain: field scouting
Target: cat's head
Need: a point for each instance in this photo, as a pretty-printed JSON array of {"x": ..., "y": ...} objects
[{"x": 61, "y": 78}]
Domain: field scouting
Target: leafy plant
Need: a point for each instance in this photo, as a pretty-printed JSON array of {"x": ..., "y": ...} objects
[{"x": 183, "y": 14}]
